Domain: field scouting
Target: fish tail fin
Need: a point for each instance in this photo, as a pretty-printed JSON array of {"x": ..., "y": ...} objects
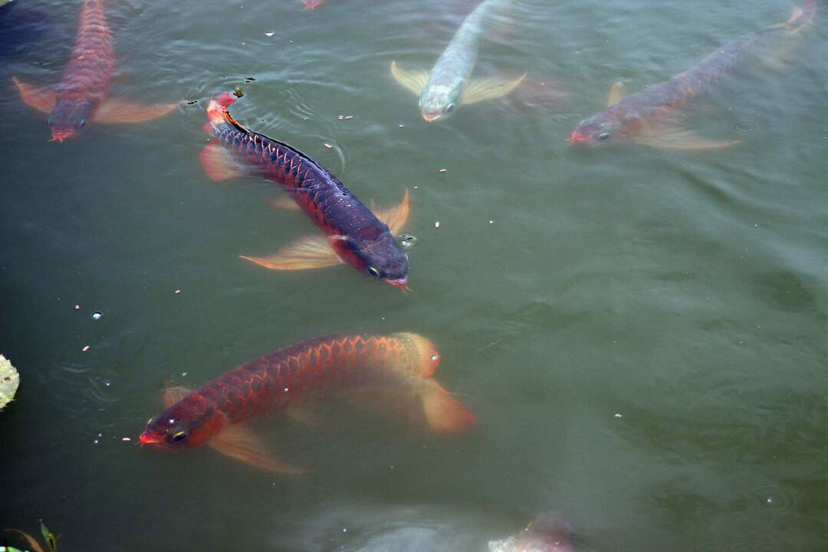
[
  {"x": 802, "y": 16},
  {"x": 444, "y": 413},
  {"x": 217, "y": 108}
]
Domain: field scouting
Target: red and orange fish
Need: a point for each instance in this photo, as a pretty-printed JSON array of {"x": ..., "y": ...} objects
[
  {"x": 354, "y": 234},
  {"x": 647, "y": 117},
  {"x": 398, "y": 365},
  {"x": 82, "y": 95}
]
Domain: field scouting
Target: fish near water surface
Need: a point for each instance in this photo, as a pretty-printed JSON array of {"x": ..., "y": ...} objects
[
  {"x": 548, "y": 532},
  {"x": 353, "y": 233},
  {"x": 82, "y": 95},
  {"x": 374, "y": 367},
  {"x": 449, "y": 84},
  {"x": 647, "y": 117}
]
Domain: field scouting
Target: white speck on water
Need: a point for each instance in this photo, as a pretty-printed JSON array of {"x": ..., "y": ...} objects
[
  {"x": 437, "y": 224},
  {"x": 184, "y": 374},
  {"x": 126, "y": 439},
  {"x": 97, "y": 315},
  {"x": 107, "y": 383},
  {"x": 85, "y": 348},
  {"x": 77, "y": 307},
  {"x": 286, "y": 389},
  {"x": 433, "y": 357},
  {"x": 769, "y": 500},
  {"x": 269, "y": 33},
  {"x": 618, "y": 415},
  {"x": 344, "y": 530}
]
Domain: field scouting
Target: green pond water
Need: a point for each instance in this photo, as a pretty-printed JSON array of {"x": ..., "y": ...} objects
[{"x": 641, "y": 333}]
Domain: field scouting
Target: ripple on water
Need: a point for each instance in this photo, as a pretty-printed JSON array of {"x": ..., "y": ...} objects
[
  {"x": 774, "y": 499},
  {"x": 736, "y": 545},
  {"x": 744, "y": 126}
]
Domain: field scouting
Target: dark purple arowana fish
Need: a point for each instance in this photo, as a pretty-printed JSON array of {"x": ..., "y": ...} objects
[
  {"x": 645, "y": 116},
  {"x": 81, "y": 96},
  {"x": 396, "y": 368},
  {"x": 353, "y": 233}
]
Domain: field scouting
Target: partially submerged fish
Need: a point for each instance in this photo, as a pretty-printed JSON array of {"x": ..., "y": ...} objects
[
  {"x": 449, "y": 85},
  {"x": 284, "y": 379},
  {"x": 353, "y": 233},
  {"x": 81, "y": 96},
  {"x": 549, "y": 532},
  {"x": 646, "y": 117}
]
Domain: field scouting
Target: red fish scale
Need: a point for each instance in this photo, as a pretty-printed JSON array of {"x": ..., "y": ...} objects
[{"x": 93, "y": 58}]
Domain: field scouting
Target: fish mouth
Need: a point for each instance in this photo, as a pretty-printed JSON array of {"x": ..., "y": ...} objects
[
  {"x": 431, "y": 117},
  {"x": 61, "y": 134},
  {"x": 400, "y": 283},
  {"x": 149, "y": 439},
  {"x": 576, "y": 137}
]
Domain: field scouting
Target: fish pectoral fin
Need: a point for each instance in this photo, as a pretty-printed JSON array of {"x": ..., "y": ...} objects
[
  {"x": 113, "y": 110},
  {"x": 671, "y": 136},
  {"x": 394, "y": 217},
  {"x": 237, "y": 441},
  {"x": 413, "y": 80},
  {"x": 444, "y": 413},
  {"x": 218, "y": 163},
  {"x": 284, "y": 201},
  {"x": 489, "y": 89},
  {"x": 617, "y": 92},
  {"x": 174, "y": 394},
  {"x": 306, "y": 253},
  {"x": 304, "y": 414},
  {"x": 43, "y": 98}
]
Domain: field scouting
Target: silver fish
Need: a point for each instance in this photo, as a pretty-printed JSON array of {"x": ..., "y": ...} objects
[{"x": 449, "y": 82}]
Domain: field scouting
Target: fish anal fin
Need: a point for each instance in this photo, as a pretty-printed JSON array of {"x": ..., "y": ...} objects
[
  {"x": 237, "y": 441},
  {"x": 395, "y": 217},
  {"x": 412, "y": 80},
  {"x": 669, "y": 135},
  {"x": 113, "y": 110},
  {"x": 444, "y": 413},
  {"x": 41, "y": 98},
  {"x": 306, "y": 253},
  {"x": 174, "y": 394},
  {"x": 304, "y": 414},
  {"x": 489, "y": 88},
  {"x": 218, "y": 163},
  {"x": 616, "y": 93},
  {"x": 284, "y": 201}
]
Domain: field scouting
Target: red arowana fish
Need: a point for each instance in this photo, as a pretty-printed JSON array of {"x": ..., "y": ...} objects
[
  {"x": 283, "y": 379},
  {"x": 311, "y": 4},
  {"x": 81, "y": 96},
  {"x": 645, "y": 116},
  {"x": 354, "y": 234}
]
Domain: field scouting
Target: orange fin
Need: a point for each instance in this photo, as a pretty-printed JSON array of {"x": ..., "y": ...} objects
[
  {"x": 218, "y": 163},
  {"x": 238, "y": 442},
  {"x": 284, "y": 201},
  {"x": 444, "y": 413},
  {"x": 667, "y": 135},
  {"x": 121, "y": 111},
  {"x": 394, "y": 217},
  {"x": 43, "y": 99},
  {"x": 310, "y": 252},
  {"x": 616, "y": 93},
  {"x": 174, "y": 394},
  {"x": 304, "y": 414}
]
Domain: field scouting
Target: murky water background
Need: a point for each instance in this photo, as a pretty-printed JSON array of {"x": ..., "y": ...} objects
[{"x": 641, "y": 333}]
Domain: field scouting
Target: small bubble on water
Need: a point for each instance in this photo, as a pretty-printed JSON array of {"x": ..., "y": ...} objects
[
  {"x": 408, "y": 241},
  {"x": 433, "y": 357},
  {"x": 107, "y": 383},
  {"x": 745, "y": 126},
  {"x": 97, "y": 315},
  {"x": 618, "y": 415}
]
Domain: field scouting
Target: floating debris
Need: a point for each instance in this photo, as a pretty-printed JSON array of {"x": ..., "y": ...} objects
[
  {"x": 327, "y": 145},
  {"x": 269, "y": 33},
  {"x": 238, "y": 93},
  {"x": 341, "y": 117},
  {"x": 249, "y": 79},
  {"x": 126, "y": 439},
  {"x": 437, "y": 224},
  {"x": 402, "y": 126},
  {"x": 408, "y": 241},
  {"x": 177, "y": 291},
  {"x": 9, "y": 381},
  {"x": 192, "y": 102},
  {"x": 77, "y": 307},
  {"x": 349, "y": 117},
  {"x": 443, "y": 170},
  {"x": 85, "y": 348},
  {"x": 491, "y": 222},
  {"x": 97, "y": 315}
]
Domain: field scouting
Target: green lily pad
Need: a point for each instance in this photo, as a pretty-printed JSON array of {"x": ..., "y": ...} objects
[{"x": 9, "y": 380}]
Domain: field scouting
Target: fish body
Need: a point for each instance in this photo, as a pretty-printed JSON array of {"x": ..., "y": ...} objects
[
  {"x": 549, "y": 532},
  {"x": 449, "y": 82},
  {"x": 82, "y": 94},
  {"x": 354, "y": 234},
  {"x": 286, "y": 378},
  {"x": 645, "y": 116}
]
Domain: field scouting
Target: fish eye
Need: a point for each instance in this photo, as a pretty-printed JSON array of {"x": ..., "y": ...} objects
[
  {"x": 150, "y": 421},
  {"x": 603, "y": 136},
  {"x": 450, "y": 108},
  {"x": 180, "y": 436},
  {"x": 373, "y": 271},
  {"x": 83, "y": 123}
]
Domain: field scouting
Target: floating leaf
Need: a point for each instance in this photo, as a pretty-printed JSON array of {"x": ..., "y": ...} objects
[
  {"x": 48, "y": 536},
  {"x": 9, "y": 380}
]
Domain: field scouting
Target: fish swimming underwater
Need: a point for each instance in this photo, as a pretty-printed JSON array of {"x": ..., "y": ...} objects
[
  {"x": 377, "y": 366},
  {"x": 646, "y": 116},
  {"x": 354, "y": 234},
  {"x": 81, "y": 96},
  {"x": 448, "y": 84}
]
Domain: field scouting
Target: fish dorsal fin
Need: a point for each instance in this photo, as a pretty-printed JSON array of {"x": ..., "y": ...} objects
[
  {"x": 414, "y": 80},
  {"x": 237, "y": 441},
  {"x": 174, "y": 394},
  {"x": 305, "y": 253},
  {"x": 30, "y": 540},
  {"x": 617, "y": 92},
  {"x": 444, "y": 413},
  {"x": 284, "y": 201},
  {"x": 394, "y": 217},
  {"x": 113, "y": 110},
  {"x": 488, "y": 89},
  {"x": 218, "y": 163},
  {"x": 43, "y": 99},
  {"x": 670, "y": 135}
]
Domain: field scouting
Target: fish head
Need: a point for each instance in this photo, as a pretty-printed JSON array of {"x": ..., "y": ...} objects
[
  {"x": 69, "y": 116},
  {"x": 187, "y": 423},
  {"x": 609, "y": 126},
  {"x": 439, "y": 102},
  {"x": 376, "y": 253}
]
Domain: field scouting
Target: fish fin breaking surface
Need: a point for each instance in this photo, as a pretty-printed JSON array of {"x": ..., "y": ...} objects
[
  {"x": 121, "y": 111},
  {"x": 395, "y": 217},
  {"x": 174, "y": 394},
  {"x": 616, "y": 93},
  {"x": 43, "y": 98},
  {"x": 444, "y": 413},
  {"x": 306, "y": 253},
  {"x": 239, "y": 442},
  {"x": 413, "y": 80},
  {"x": 489, "y": 89},
  {"x": 218, "y": 163}
]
